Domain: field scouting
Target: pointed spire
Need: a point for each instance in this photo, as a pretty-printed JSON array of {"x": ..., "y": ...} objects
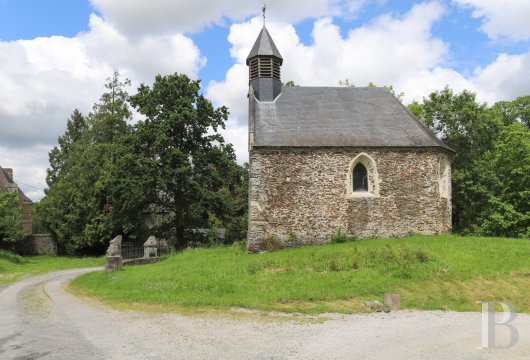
[
  {"x": 264, "y": 46},
  {"x": 264, "y": 62}
]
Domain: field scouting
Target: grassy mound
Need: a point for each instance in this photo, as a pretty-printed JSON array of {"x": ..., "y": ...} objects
[
  {"x": 445, "y": 272},
  {"x": 14, "y": 267}
]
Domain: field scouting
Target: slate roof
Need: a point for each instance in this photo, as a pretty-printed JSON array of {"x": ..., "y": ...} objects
[
  {"x": 264, "y": 46},
  {"x": 338, "y": 117},
  {"x": 9, "y": 185}
]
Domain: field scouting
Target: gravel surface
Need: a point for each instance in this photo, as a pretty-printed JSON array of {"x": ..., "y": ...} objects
[{"x": 39, "y": 319}]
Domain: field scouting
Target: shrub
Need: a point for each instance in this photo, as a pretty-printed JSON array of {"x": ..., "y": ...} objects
[
  {"x": 422, "y": 256},
  {"x": 339, "y": 237},
  {"x": 292, "y": 239},
  {"x": 11, "y": 218},
  {"x": 12, "y": 257},
  {"x": 334, "y": 264},
  {"x": 272, "y": 243}
]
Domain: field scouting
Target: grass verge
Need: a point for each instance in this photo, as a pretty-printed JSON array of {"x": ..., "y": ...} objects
[
  {"x": 13, "y": 267},
  {"x": 443, "y": 272}
]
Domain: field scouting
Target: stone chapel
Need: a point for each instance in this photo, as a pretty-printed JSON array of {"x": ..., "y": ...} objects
[{"x": 329, "y": 159}]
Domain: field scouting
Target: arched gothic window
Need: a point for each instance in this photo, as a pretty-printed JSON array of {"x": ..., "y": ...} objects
[{"x": 362, "y": 178}]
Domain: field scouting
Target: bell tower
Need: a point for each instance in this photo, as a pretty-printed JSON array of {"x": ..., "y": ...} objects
[{"x": 264, "y": 62}]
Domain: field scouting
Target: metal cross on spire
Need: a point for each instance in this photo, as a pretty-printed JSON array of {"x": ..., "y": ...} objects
[{"x": 264, "y": 9}]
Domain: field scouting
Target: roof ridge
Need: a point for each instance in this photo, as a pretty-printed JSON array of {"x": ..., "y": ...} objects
[{"x": 22, "y": 196}]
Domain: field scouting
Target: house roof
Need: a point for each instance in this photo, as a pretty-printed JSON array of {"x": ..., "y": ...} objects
[
  {"x": 264, "y": 46},
  {"x": 337, "y": 116},
  {"x": 7, "y": 184}
]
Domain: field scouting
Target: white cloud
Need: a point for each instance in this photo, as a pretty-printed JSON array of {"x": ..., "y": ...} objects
[
  {"x": 501, "y": 18},
  {"x": 237, "y": 135},
  {"x": 507, "y": 78},
  {"x": 45, "y": 79},
  {"x": 389, "y": 50},
  {"x": 426, "y": 81},
  {"x": 168, "y": 16},
  {"x": 144, "y": 57},
  {"x": 28, "y": 170},
  {"x": 232, "y": 92}
]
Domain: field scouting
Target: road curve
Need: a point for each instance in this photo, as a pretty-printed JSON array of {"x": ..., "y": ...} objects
[{"x": 40, "y": 320}]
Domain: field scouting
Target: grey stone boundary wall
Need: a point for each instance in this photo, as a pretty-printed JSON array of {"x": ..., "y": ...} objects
[
  {"x": 114, "y": 263},
  {"x": 38, "y": 244},
  {"x": 141, "y": 261},
  {"x": 114, "y": 260}
]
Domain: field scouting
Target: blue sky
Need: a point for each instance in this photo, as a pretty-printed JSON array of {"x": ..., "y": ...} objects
[
  {"x": 56, "y": 54},
  {"x": 470, "y": 47}
]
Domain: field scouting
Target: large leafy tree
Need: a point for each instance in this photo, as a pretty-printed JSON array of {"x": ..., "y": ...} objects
[
  {"x": 487, "y": 196},
  {"x": 75, "y": 208},
  {"x": 107, "y": 177},
  {"x": 516, "y": 111},
  {"x": 470, "y": 129},
  {"x": 188, "y": 173},
  {"x": 11, "y": 218},
  {"x": 507, "y": 211}
]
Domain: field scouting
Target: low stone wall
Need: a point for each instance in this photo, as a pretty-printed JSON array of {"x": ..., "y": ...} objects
[
  {"x": 151, "y": 250},
  {"x": 141, "y": 261},
  {"x": 37, "y": 245}
]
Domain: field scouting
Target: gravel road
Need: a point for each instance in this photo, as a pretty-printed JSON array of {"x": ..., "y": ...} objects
[{"x": 40, "y": 320}]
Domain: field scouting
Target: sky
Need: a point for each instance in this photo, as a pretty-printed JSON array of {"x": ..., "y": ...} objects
[{"x": 56, "y": 54}]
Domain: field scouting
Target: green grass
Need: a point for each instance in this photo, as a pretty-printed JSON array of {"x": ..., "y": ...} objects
[
  {"x": 13, "y": 267},
  {"x": 444, "y": 272}
]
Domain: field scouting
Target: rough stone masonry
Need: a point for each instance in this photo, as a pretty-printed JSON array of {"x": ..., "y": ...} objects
[
  {"x": 304, "y": 193},
  {"x": 330, "y": 159}
]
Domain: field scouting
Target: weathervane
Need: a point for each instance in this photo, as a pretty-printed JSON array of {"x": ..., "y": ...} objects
[{"x": 264, "y": 9}]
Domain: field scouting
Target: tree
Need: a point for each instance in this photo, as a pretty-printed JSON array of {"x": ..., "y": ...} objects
[
  {"x": 470, "y": 129},
  {"x": 517, "y": 111},
  {"x": 75, "y": 207},
  {"x": 193, "y": 172},
  {"x": 59, "y": 155},
  {"x": 11, "y": 218},
  {"x": 346, "y": 83},
  {"x": 490, "y": 188},
  {"x": 508, "y": 208},
  {"x": 371, "y": 85}
]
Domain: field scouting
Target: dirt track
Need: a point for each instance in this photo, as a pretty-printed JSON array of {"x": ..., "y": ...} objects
[{"x": 40, "y": 320}]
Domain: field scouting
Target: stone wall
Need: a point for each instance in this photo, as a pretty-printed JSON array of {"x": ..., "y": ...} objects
[
  {"x": 305, "y": 193},
  {"x": 141, "y": 261},
  {"x": 36, "y": 245},
  {"x": 27, "y": 225}
]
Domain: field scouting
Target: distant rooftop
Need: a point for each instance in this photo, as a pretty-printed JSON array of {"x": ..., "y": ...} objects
[{"x": 7, "y": 184}]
